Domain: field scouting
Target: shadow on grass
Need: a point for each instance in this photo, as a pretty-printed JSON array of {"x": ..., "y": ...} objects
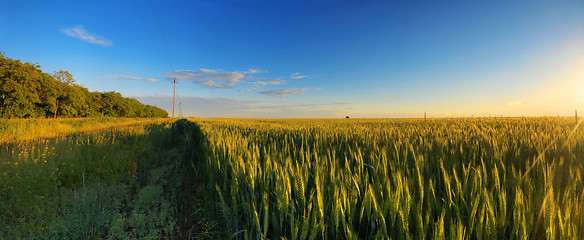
[{"x": 118, "y": 183}]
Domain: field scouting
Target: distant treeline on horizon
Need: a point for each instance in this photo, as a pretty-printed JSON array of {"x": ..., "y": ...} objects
[{"x": 26, "y": 91}]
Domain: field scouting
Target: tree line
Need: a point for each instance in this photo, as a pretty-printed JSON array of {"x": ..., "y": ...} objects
[{"x": 26, "y": 91}]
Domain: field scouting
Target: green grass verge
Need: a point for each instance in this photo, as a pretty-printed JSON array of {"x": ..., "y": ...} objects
[{"x": 121, "y": 183}]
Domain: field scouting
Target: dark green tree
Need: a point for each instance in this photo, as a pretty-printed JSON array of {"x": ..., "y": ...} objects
[
  {"x": 26, "y": 91},
  {"x": 64, "y": 79},
  {"x": 19, "y": 86}
]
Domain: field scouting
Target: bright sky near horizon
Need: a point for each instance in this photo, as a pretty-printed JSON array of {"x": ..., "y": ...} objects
[{"x": 320, "y": 58}]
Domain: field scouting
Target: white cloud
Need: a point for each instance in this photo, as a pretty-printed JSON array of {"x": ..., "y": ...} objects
[
  {"x": 255, "y": 71},
  {"x": 207, "y": 70},
  {"x": 265, "y": 83},
  {"x": 80, "y": 33},
  {"x": 208, "y": 77},
  {"x": 218, "y": 78},
  {"x": 285, "y": 92},
  {"x": 129, "y": 78},
  {"x": 297, "y": 76},
  {"x": 254, "y": 78}
]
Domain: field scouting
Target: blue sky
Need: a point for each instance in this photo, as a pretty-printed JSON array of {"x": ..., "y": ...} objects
[{"x": 313, "y": 58}]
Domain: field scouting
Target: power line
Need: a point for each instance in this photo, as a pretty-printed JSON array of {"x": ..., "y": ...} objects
[
  {"x": 154, "y": 8},
  {"x": 164, "y": 41},
  {"x": 147, "y": 27}
]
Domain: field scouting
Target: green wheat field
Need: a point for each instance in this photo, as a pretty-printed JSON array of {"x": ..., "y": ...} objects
[{"x": 472, "y": 178}]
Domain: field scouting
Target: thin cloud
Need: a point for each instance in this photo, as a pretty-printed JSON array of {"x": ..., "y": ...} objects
[
  {"x": 208, "y": 70},
  {"x": 345, "y": 103},
  {"x": 203, "y": 107},
  {"x": 129, "y": 78},
  {"x": 229, "y": 107},
  {"x": 254, "y": 71},
  {"x": 208, "y": 77},
  {"x": 255, "y": 78},
  {"x": 285, "y": 92},
  {"x": 81, "y": 33},
  {"x": 308, "y": 105},
  {"x": 218, "y": 78},
  {"x": 265, "y": 83},
  {"x": 302, "y": 110},
  {"x": 297, "y": 76}
]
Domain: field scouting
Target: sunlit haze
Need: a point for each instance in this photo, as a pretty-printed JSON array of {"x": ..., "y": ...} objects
[{"x": 326, "y": 59}]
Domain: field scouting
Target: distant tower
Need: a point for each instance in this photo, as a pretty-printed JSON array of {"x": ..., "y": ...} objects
[
  {"x": 180, "y": 110},
  {"x": 173, "y": 95}
]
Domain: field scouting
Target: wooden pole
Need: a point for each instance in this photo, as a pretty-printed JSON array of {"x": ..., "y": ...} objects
[
  {"x": 173, "y": 94},
  {"x": 424, "y": 116}
]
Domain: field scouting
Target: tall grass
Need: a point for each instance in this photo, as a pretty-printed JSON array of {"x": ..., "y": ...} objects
[
  {"x": 512, "y": 178},
  {"x": 123, "y": 182},
  {"x": 18, "y": 130}
]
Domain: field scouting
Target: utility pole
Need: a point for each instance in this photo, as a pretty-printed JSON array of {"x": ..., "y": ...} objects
[
  {"x": 180, "y": 110},
  {"x": 173, "y": 94}
]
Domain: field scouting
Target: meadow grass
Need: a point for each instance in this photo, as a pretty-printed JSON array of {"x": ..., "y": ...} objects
[
  {"x": 18, "y": 130},
  {"x": 478, "y": 178},
  {"x": 106, "y": 178}
]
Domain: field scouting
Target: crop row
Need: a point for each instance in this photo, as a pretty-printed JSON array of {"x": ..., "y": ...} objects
[{"x": 507, "y": 178}]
